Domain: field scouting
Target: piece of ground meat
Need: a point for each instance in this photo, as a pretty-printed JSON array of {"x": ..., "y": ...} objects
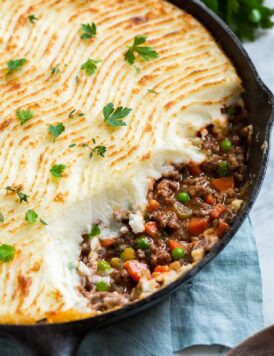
[
  {"x": 166, "y": 218},
  {"x": 159, "y": 254},
  {"x": 165, "y": 190}
]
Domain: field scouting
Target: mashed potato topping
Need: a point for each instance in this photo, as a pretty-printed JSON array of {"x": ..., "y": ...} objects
[{"x": 171, "y": 97}]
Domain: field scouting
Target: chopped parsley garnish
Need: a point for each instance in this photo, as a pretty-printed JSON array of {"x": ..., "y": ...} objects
[
  {"x": 15, "y": 64},
  {"x": 31, "y": 216},
  {"x": 99, "y": 150},
  {"x": 32, "y": 18},
  {"x": 152, "y": 91},
  {"x": 113, "y": 117},
  {"x": 2, "y": 218},
  {"x": 22, "y": 196},
  {"x": 88, "y": 31},
  {"x": 95, "y": 231},
  {"x": 74, "y": 113},
  {"x": 72, "y": 145},
  {"x": 56, "y": 69},
  {"x": 24, "y": 115},
  {"x": 56, "y": 130},
  {"x": 90, "y": 66},
  {"x": 43, "y": 222},
  {"x": 7, "y": 253},
  {"x": 57, "y": 170},
  {"x": 147, "y": 53}
]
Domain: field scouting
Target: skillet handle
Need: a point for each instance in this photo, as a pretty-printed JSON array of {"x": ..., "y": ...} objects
[{"x": 56, "y": 340}]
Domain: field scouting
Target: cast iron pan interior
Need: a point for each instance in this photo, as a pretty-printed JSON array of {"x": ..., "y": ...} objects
[{"x": 63, "y": 339}]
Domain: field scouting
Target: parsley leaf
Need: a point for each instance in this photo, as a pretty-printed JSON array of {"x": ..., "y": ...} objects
[
  {"x": 152, "y": 91},
  {"x": 56, "y": 130},
  {"x": 43, "y": 222},
  {"x": 7, "y": 253},
  {"x": 90, "y": 66},
  {"x": 113, "y": 117},
  {"x": 32, "y": 18},
  {"x": 243, "y": 16},
  {"x": 1, "y": 218},
  {"x": 95, "y": 231},
  {"x": 72, "y": 145},
  {"x": 99, "y": 150},
  {"x": 74, "y": 113},
  {"x": 15, "y": 64},
  {"x": 56, "y": 69},
  {"x": 89, "y": 31},
  {"x": 57, "y": 170},
  {"x": 147, "y": 53},
  {"x": 24, "y": 115},
  {"x": 31, "y": 216},
  {"x": 22, "y": 196}
]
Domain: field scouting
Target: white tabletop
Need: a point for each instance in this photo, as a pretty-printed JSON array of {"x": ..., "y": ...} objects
[{"x": 262, "y": 215}]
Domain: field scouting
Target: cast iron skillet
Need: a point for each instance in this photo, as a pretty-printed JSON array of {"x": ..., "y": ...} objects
[{"x": 63, "y": 339}]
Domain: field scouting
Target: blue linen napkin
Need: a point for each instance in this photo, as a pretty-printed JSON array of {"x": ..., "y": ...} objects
[{"x": 221, "y": 305}]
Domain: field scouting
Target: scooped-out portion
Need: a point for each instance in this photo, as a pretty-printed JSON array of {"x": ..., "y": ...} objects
[
  {"x": 123, "y": 150},
  {"x": 188, "y": 211}
]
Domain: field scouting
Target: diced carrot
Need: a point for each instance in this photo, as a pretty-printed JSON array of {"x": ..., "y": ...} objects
[
  {"x": 134, "y": 269},
  {"x": 195, "y": 169},
  {"x": 198, "y": 225},
  {"x": 223, "y": 184},
  {"x": 151, "y": 229},
  {"x": 174, "y": 244},
  {"x": 161, "y": 269},
  {"x": 108, "y": 242},
  {"x": 218, "y": 210},
  {"x": 222, "y": 228},
  {"x": 209, "y": 199},
  {"x": 152, "y": 205}
]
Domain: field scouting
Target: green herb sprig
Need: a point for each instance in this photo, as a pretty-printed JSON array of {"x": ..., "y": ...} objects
[
  {"x": 24, "y": 115},
  {"x": 75, "y": 113},
  {"x": 56, "y": 130},
  {"x": 15, "y": 64},
  {"x": 95, "y": 231},
  {"x": 32, "y": 18},
  {"x": 7, "y": 253},
  {"x": 113, "y": 117},
  {"x": 22, "y": 196},
  {"x": 31, "y": 217},
  {"x": 147, "y": 53},
  {"x": 88, "y": 31},
  {"x": 57, "y": 170},
  {"x": 90, "y": 66},
  {"x": 98, "y": 150}
]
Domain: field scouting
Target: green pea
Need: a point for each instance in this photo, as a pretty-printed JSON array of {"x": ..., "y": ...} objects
[
  {"x": 255, "y": 16},
  {"x": 177, "y": 253},
  {"x": 103, "y": 266},
  {"x": 102, "y": 286},
  {"x": 142, "y": 243},
  {"x": 223, "y": 169},
  {"x": 226, "y": 145},
  {"x": 183, "y": 197}
]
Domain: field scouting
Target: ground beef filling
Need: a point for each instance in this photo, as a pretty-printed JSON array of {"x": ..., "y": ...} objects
[{"x": 188, "y": 211}]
